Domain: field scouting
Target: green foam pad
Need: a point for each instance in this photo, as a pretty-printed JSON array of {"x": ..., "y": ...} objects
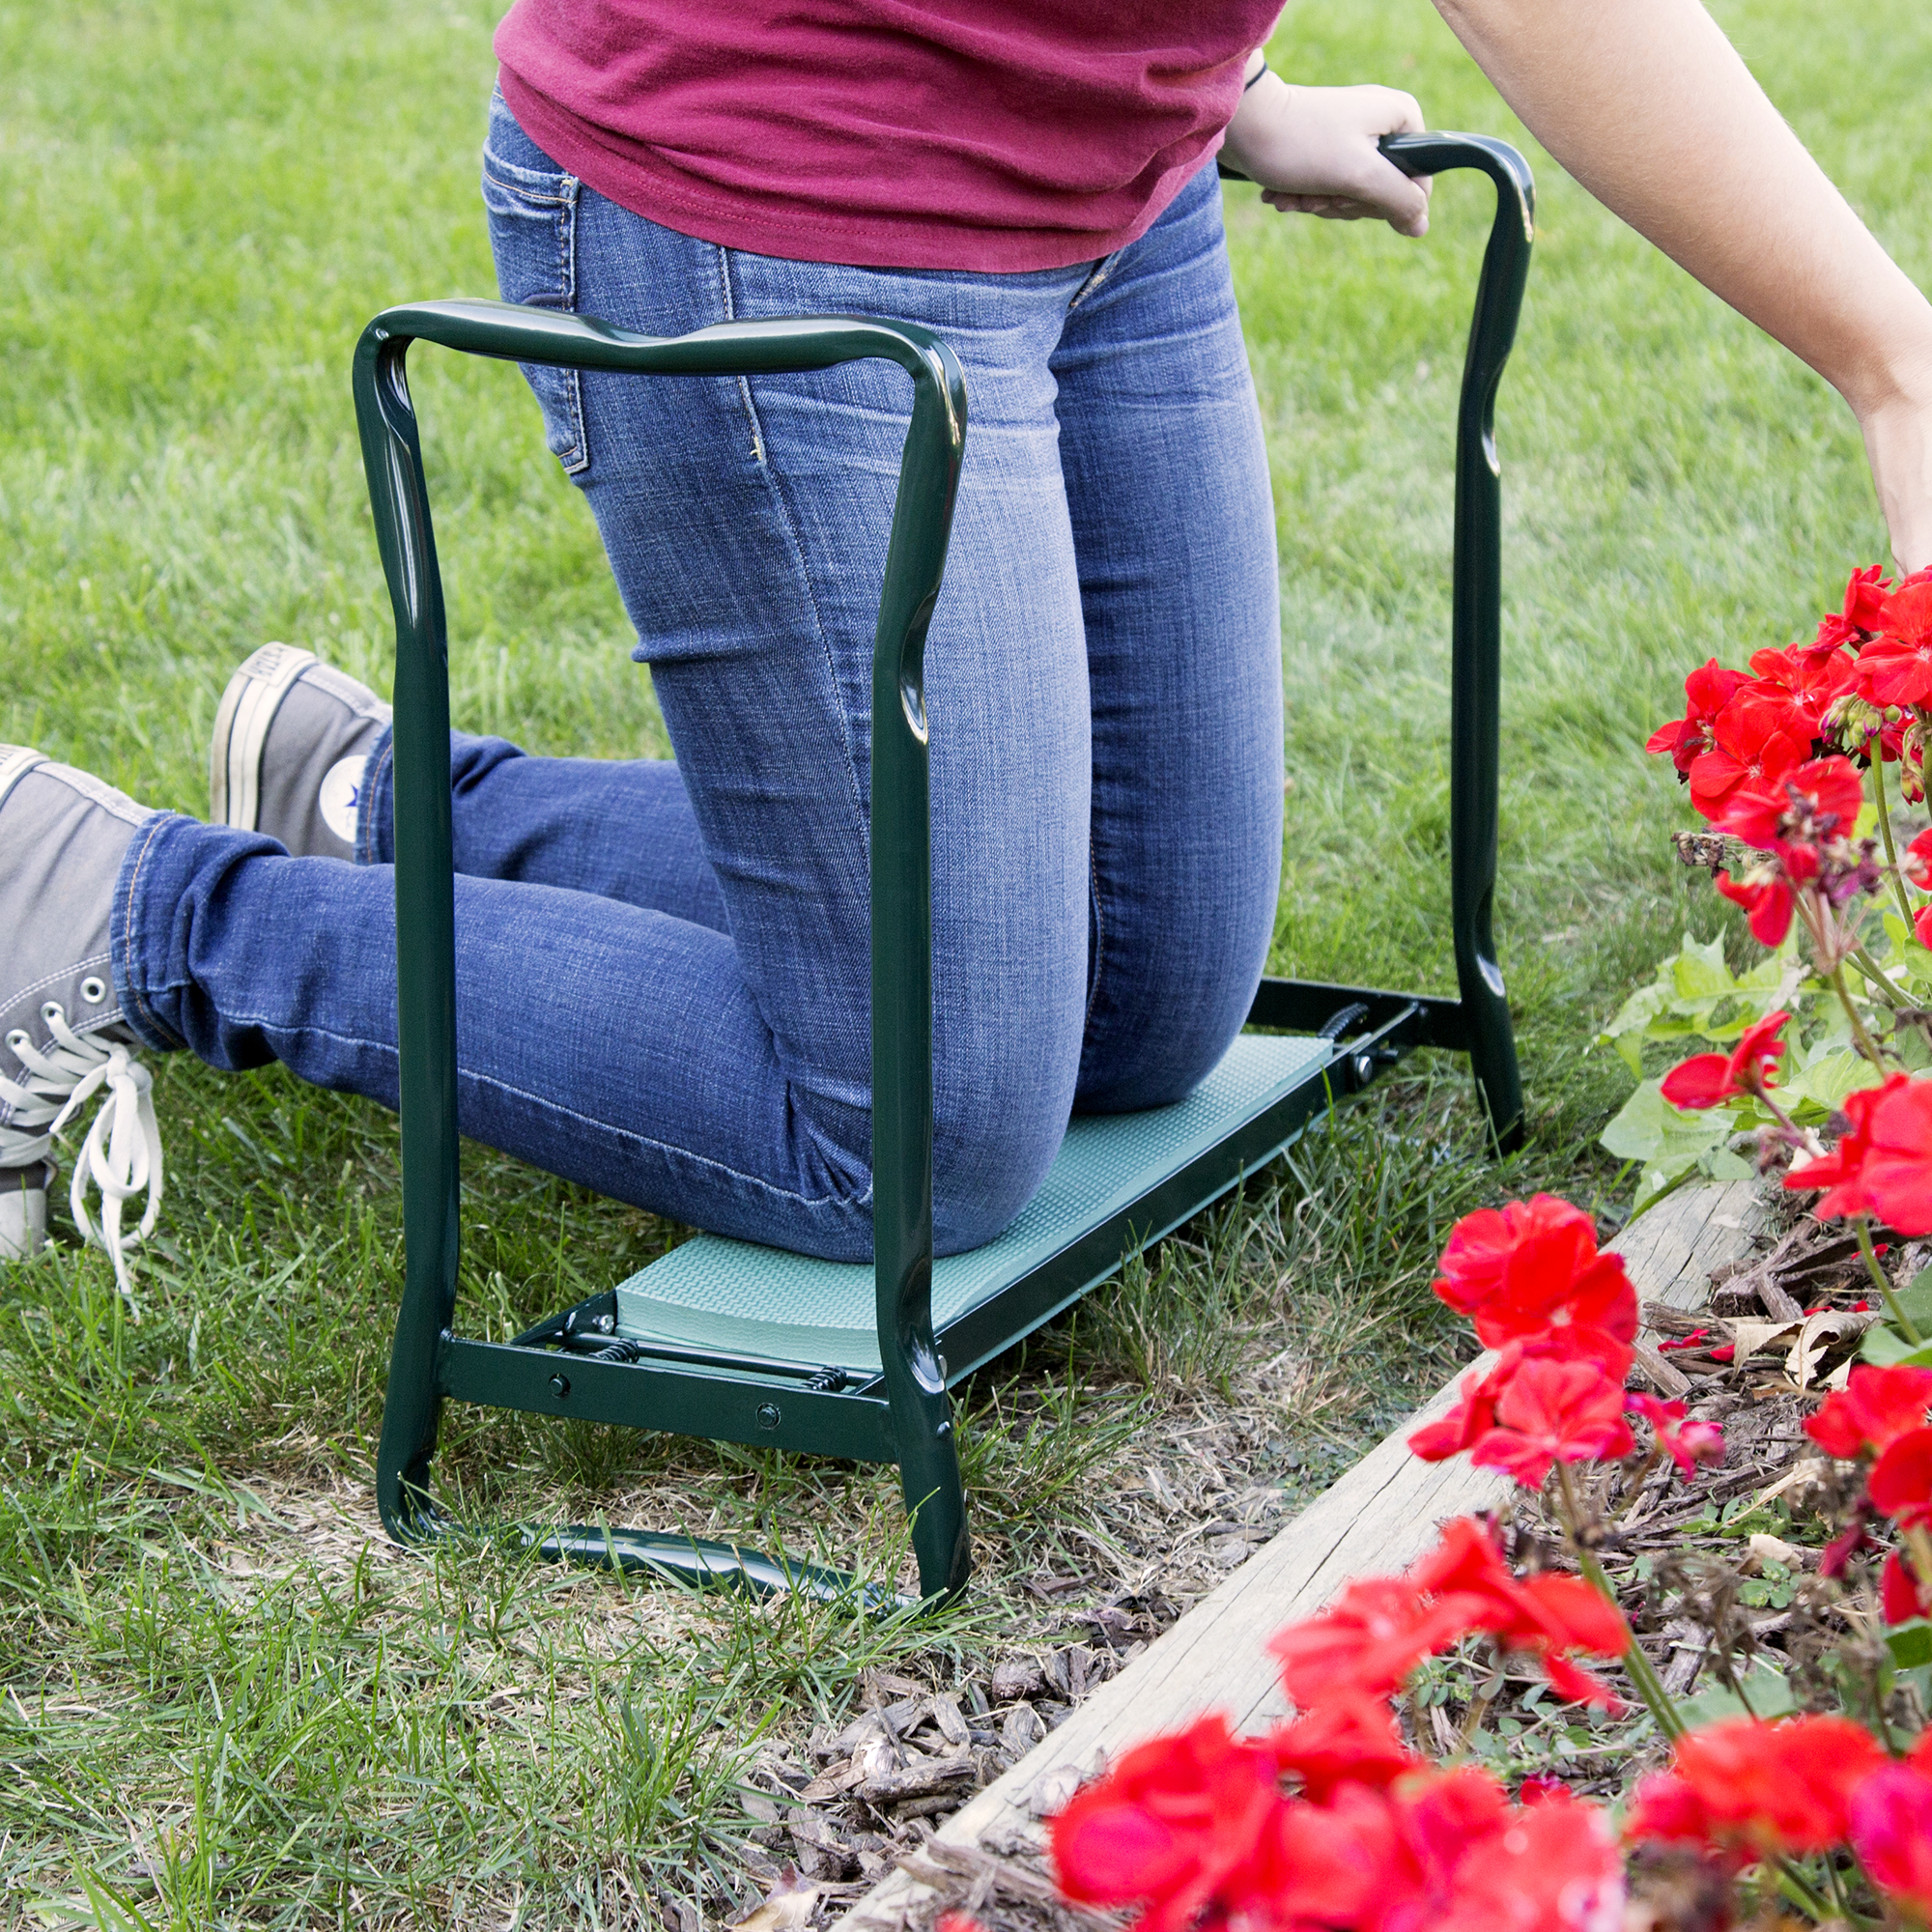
[{"x": 735, "y": 1297}]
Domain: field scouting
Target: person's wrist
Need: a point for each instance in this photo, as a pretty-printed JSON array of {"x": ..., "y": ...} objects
[
  {"x": 1245, "y": 145},
  {"x": 1888, "y": 339}
]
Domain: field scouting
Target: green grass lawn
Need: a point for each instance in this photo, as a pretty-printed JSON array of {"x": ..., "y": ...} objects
[{"x": 222, "y": 1702}]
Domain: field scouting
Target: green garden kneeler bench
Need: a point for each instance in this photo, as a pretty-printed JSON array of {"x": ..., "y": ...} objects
[{"x": 738, "y": 1343}]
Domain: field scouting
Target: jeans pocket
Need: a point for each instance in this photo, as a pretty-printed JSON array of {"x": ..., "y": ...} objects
[{"x": 533, "y": 236}]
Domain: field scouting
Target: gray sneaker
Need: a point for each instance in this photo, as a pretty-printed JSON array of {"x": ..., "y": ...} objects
[
  {"x": 292, "y": 738},
  {"x": 63, "y": 1037}
]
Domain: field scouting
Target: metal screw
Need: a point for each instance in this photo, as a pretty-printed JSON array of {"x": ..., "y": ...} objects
[
  {"x": 560, "y": 1386},
  {"x": 768, "y": 1415},
  {"x": 604, "y": 1324}
]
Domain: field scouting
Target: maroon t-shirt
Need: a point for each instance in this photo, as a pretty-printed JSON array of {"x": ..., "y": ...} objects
[{"x": 982, "y": 134}]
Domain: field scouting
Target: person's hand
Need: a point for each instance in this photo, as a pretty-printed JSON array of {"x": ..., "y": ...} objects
[{"x": 1312, "y": 150}]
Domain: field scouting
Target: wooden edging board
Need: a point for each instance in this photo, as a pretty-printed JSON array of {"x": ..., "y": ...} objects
[{"x": 1378, "y": 1518}]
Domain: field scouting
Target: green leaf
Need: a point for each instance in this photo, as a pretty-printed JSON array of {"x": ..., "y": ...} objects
[
  {"x": 1916, "y": 1298},
  {"x": 1906, "y": 951},
  {"x": 1769, "y": 1693},
  {"x": 1828, "y": 1079},
  {"x": 1648, "y": 1128},
  {"x": 1699, "y": 972},
  {"x": 1887, "y": 1348},
  {"x": 1910, "y": 1644},
  {"x": 1638, "y": 1010}
]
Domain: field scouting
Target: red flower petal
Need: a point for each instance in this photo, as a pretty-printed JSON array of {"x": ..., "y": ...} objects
[
  {"x": 1699, "y": 1082},
  {"x": 1901, "y": 1481}
]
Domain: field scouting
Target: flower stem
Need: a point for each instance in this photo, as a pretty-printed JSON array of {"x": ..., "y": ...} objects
[
  {"x": 1649, "y": 1686},
  {"x": 1861, "y": 1039},
  {"x": 1801, "y": 1893},
  {"x": 1885, "y": 829},
  {"x": 1874, "y": 975},
  {"x": 1919, "y": 1542},
  {"x": 1862, "y": 1230},
  {"x": 1637, "y": 1481}
]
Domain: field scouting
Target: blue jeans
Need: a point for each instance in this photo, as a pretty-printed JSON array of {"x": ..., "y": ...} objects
[{"x": 662, "y": 970}]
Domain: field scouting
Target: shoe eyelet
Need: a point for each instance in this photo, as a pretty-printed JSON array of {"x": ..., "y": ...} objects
[
  {"x": 53, "y": 1011},
  {"x": 17, "y": 1038},
  {"x": 92, "y": 991}
]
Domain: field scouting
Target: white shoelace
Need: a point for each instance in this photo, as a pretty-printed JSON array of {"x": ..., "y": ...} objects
[{"x": 122, "y": 1153}]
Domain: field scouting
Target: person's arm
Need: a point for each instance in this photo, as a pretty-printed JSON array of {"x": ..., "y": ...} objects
[{"x": 1650, "y": 107}]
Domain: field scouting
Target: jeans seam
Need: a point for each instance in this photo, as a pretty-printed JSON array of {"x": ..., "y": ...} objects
[
  {"x": 131, "y": 939},
  {"x": 578, "y": 459},
  {"x": 776, "y": 484},
  {"x": 368, "y": 843},
  {"x": 268, "y": 1025},
  {"x": 575, "y": 459},
  {"x": 1099, "y": 938},
  {"x": 1101, "y": 269}
]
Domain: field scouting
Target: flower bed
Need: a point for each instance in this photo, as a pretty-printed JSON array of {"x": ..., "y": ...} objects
[{"x": 1654, "y": 1696}]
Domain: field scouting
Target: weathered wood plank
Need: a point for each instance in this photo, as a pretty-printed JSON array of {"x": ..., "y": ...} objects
[{"x": 1378, "y": 1518}]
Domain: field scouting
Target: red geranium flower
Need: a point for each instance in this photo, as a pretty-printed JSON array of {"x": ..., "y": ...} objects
[
  {"x": 1901, "y": 1481},
  {"x": 1553, "y": 1413},
  {"x": 1752, "y": 750},
  {"x": 1168, "y": 1825},
  {"x": 1548, "y": 1615},
  {"x": 1896, "y": 667},
  {"x": 1473, "y": 1417},
  {"x": 1706, "y": 692},
  {"x": 1901, "y": 1595},
  {"x": 1348, "y": 1738},
  {"x": 1891, "y": 1833},
  {"x": 1768, "y": 1789},
  {"x": 1917, "y": 865},
  {"x": 1543, "y": 1294},
  {"x": 1553, "y": 1867},
  {"x": 1768, "y": 905},
  {"x": 1689, "y": 1442},
  {"x": 1858, "y": 618},
  {"x": 1480, "y": 1245},
  {"x": 1874, "y": 1409},
  {"x": 1823, "y": 798},
  {"x": 1804, "y": 679},
  {"x": 1708, "y": 1078},
  {"x": 1882, "y": 1163},
  {"x": 1371, "y": 1637},
  {"x": 1922, "y": 925}
]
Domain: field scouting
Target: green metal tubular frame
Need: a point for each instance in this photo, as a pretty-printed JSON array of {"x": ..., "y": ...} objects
[
  {"x": 1476, "y": 646},
  {"x": 903, "y": 1414},
  {"x": 917, "y": 1411}
]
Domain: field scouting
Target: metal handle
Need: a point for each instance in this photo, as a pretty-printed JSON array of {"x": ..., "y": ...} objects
[
  {"x": 901, "y": 848},
  {"x": 1475, "y": 672}
]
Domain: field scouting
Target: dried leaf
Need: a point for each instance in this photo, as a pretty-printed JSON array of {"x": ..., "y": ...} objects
[
  {"x": 1816, "y": 1336},
  {"x": 1052, "y": 1789},
  {"x": 786, "y": 1907},
  {"x": 1748, "y": 1337}
]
